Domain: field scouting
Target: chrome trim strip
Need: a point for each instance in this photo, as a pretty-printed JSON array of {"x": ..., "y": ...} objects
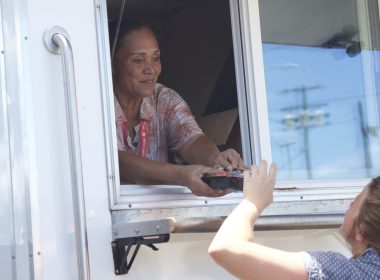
[
  {"x": 6, "y": 203},
  {"x": 109, "y": 126},
  {"x": 255, "y": 82},
  {"x": 241, "y": 82},
  {"x": 278, "y": 209},
  {"x": 163, "y": 197},
  {"x": 266, "y": 223},
  {"x": 18, "y": 100},
  {"x": 57, "y": 41}
]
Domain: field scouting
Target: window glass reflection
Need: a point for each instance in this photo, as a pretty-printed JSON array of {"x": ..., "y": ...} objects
[{"x": 322, "y": 90}]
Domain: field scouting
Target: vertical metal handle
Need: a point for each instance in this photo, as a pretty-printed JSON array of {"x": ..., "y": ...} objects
[{"x": 57, "y": 41}]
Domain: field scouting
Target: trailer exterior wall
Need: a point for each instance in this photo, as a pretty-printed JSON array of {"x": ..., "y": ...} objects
[{"x": 48, "y": 221}]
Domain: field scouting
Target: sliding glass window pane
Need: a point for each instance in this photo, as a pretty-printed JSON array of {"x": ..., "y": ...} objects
[{"x": 321, "y": 66}]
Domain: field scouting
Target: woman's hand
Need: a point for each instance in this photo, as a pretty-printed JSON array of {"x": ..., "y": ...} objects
[
  {"x": 229, "y": 159},
  {"x": 191, "y": 176},
  {"x": 259, "y": 184}
]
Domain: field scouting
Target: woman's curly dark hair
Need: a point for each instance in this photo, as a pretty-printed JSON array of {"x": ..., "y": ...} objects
[{"x": 127, "y": 26}]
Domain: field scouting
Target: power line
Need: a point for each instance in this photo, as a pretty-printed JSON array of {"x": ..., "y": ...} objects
[{"x": 331, "y": 100}]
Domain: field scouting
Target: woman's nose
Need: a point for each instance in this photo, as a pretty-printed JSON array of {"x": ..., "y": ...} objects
[{"x": 148, "y": 68}]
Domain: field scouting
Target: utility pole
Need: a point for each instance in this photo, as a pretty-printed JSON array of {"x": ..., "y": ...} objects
[
  {"x": 287, "y": 145},
  {"x": 304, "y": 118},
  {"x": 365, "y": 131}
]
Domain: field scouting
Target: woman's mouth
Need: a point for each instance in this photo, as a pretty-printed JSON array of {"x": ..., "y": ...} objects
[{"x": 150, "y": 81}]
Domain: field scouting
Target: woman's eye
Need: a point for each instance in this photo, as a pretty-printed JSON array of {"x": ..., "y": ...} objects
[
  {"x": 157, "y": 60},
  {"x": 138, "y": 60}
]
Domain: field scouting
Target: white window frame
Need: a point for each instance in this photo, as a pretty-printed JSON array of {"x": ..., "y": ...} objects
[{"x": 292, "y": 199}]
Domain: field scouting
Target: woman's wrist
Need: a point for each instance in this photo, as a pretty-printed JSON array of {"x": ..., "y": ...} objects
[
  {"x": 250, "y": 208},
  {"x": 177, "y": 175}
]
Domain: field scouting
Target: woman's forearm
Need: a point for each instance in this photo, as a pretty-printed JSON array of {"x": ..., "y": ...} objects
[
  {"x": 234, "y": 237},
  {"x": 200, "y": 150},
  {"x": 237, "y": 227},
  {"x": 234, "y": 248},
  {"x": 139, "y": 170}
]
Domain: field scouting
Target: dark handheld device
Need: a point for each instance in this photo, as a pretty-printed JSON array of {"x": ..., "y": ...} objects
[{"x": 232, "y": 180}]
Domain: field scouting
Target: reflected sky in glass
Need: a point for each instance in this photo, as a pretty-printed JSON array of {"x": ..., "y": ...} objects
[{"x": 318, "y": 107}]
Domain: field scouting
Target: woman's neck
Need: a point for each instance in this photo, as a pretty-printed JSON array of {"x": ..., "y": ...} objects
[
  {"x": 130, "y": 105},
  {"x": 358, "y": 248}
]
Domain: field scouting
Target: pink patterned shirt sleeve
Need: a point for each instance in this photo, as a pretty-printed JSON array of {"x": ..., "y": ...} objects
[
  {"x": 180, "y": 123},
  {"x": 171, "y": 124}
]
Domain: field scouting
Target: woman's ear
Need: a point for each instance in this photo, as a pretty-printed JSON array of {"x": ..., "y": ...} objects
[{"x": 359, "y": 237}]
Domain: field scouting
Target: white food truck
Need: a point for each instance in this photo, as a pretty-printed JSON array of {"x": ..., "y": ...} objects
[{"x": 295, "y": 82}]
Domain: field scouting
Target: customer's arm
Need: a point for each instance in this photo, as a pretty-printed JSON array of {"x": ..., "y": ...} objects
[
  {"x": 233, "y": 246},
  {"x": 139, "y": 170}
]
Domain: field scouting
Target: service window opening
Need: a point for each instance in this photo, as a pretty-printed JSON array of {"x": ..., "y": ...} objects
[
  {"x": 197, "y": 59},
  {"x": 314, "y": 109}
]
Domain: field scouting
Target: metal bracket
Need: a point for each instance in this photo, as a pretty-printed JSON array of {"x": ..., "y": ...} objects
[
  {"x": 128, "y": 235},
  {"x": 122, "y": 247}
]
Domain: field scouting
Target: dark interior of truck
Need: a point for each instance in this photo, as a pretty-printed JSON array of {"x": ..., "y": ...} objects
[{"x": 195, "y": 39}]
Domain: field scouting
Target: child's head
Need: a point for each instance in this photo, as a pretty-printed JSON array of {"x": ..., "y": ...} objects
[{"x": 368, "y": 219}]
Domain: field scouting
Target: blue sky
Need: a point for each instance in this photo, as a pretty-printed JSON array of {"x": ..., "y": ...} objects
[{"x": 336, "y": 146}]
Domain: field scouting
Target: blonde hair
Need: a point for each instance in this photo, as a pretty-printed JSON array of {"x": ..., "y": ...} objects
[{"x": 368, "y": 219}]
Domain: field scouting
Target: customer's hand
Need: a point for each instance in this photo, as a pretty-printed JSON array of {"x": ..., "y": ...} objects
[
  {"x": 229, "y": 159},
  {"x": 191, "y": 176},
  {"x": 259, "y": 185}
]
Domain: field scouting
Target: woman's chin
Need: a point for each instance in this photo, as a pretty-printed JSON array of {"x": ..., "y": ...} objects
[{"x": 146, "y": 92}]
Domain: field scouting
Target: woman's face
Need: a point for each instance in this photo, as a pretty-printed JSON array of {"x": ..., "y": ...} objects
[
  {"x": 137, "y": 64},
  {"x": 348, "y": 226}
]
